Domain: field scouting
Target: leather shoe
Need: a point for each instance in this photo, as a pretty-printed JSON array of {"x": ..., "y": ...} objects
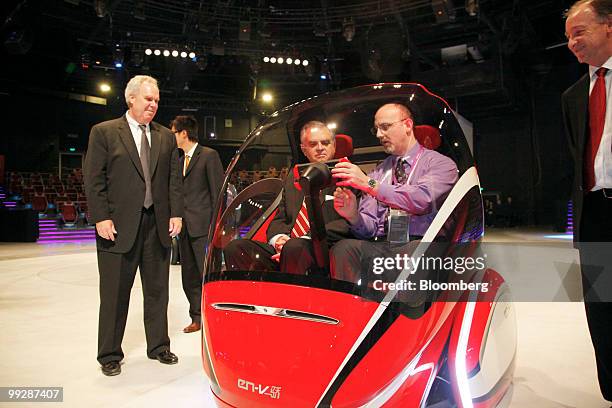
[
  {"x": 193, "y": 327},
  {"x": 111, "y": 368},
  {"x": 167, "y": 357}
]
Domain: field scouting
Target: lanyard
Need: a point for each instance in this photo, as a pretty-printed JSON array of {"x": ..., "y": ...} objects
[{"x": 416, "y": 161}]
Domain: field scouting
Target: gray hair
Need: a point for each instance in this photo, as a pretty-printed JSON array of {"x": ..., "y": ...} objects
[
  {"x": 133, "y": 86},
  {"x": 314, "y": 124},
  {"x": 602, "y": 8}
]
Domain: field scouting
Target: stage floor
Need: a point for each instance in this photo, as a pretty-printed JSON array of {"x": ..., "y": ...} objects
[{"x": 49, "y": 314}]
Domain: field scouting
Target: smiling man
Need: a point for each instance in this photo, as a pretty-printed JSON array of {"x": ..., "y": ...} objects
[
  {"x": 400, "y": 197},
  {"x": 587, "y": 116},
  {"x": 134, "y": 191}
]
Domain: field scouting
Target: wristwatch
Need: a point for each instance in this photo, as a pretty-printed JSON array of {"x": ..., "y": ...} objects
[{"x": 371, "y": 185}]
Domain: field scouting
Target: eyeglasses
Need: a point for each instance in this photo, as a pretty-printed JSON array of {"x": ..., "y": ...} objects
[{"x": 384, "y": 126}]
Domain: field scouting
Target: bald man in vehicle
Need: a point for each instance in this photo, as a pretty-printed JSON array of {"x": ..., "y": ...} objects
[{"x": 288, "y": 233}]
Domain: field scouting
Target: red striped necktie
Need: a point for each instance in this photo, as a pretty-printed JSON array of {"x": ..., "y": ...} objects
[
  {"x": 301, "y": 226},
  {"x": 597, "y": 120}
]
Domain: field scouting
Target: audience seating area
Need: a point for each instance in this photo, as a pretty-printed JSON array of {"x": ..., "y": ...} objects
[{"x": 50, "y": 195}]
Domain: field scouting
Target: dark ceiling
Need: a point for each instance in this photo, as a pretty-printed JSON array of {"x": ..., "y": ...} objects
[{"x": 479, "y": 54}]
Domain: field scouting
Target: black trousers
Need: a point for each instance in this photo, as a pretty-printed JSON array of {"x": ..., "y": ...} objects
[
  {"x": 192, "y": 264},
  {"x": 117, "y": 273},
  {"x": 297, "y": 256},
  {"x": 596, "y": 266}
]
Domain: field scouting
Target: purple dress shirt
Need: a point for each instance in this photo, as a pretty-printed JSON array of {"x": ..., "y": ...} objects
[{"x": 431, "y": 181}]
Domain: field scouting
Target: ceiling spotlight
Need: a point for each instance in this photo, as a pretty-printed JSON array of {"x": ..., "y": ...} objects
[
  {"x": 192, "y": 55},
  {"x": 175, "y": 53},
  {"x": 273, "y": 60},
  {"x": 266, "y": 59},
  {"x": 148, "y": 51},
  {"x": 183, "y": 54},
  {"x": 267, "y": 97},
  {"x": 305, "y": 62},
  {"x": 289, "y": 60},
  {"x": 166, "y": 53},
  {"x": 297, "y": 61},
  {"x": 280, "y": 60},
  {"x": 104, "y": 87},
  {"x": 471, "y": 6},
  {"x": 348, "y": 29},
  {"x": 101, "y": 8},
  {"x": 157, "y": 52},
  {"x": 201, "y": 63}
]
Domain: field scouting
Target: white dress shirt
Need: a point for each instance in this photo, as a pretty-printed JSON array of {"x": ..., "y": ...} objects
[
  {"x": 136, "y": 132},
  {"x": 190, "y": 155},
  {"x": 603, "y": 159}
]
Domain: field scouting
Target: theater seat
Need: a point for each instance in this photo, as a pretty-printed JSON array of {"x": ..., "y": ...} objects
[
  {"x": 344, "y": 146},
  {"x": 428, "y": 136},
  {"x": 69, "y": 213}
]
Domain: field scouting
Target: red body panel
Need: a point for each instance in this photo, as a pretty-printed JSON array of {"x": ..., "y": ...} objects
[
  {"x": 393, "y": 352},
  {"x": 299, "y": 356}
]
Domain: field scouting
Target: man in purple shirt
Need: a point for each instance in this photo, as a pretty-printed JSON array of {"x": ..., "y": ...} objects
[{"x": 413, "y": 180}]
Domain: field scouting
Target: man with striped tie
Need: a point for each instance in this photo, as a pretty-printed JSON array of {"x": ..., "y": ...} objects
[{"x": 289, "y": 247}]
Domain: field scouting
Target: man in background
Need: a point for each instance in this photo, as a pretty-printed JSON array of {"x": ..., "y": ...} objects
[{"x": 202, "y": 178}]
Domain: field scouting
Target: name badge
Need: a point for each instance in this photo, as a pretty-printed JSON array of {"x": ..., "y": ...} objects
[{"x": 398, "y": 226}]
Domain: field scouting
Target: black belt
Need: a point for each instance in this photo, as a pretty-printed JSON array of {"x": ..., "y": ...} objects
[{"x": 604, "y": 192}]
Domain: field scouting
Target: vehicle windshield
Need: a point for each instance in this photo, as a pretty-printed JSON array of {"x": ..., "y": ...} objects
[{"x": 255, "y": 178}]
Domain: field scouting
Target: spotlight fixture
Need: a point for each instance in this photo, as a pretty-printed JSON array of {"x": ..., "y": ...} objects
[
  {"x": 183, "y": 54},
  {"x": 166, "y": 53},
  {"x": 348, "y": 29},
  {"x": 201, "y": 63},
  {"x": 266, "y": 59},
  {"x": 148, "y": 51},
  {"x": 175, "y": 53},
  {"x": 104, "y": 87},
  {"x": 118, "y": 56},
  {"x": 471, "y": 6},
  {"x": 273, "y": 60},
  {"x": 297, "y": 61},
  {"x": 267, "y": 97},
  {"x": 192, "y": 55},
  {"x": 289, "y": 60},
  {"x": 157, "y": 52},
  {"x": 101, "y": 8},
  {"x": 280, "y": 60},
  {"x": 305, "y": 62}
]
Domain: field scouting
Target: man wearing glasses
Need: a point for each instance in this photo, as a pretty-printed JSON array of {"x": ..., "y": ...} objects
[{"x": 400, "y": 197}]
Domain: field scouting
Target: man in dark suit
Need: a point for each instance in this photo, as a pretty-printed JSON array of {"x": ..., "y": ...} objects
[
  {"x": 202, "y": 179},
  {"x": 287, "y": 234},
  {"x": 134, "y": 191},
  {"x": 588, "y": 121}
]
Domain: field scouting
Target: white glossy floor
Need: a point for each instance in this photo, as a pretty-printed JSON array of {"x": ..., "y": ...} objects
[{"x": 48, "y": 316}]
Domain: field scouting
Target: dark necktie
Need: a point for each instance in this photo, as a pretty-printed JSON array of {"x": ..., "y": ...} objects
[
  {"x": 597, "y": 119},
  {"x": 145, "y": 160},
  {"x": 400, "y": 171}
]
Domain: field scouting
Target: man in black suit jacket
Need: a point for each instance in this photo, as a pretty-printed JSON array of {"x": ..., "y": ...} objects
[
  {"x": 202, "y": 179},
  {"x": 134, "y": 191},
  {"x": 294, "y": 254},
  {"x": 588, "y": 121}
]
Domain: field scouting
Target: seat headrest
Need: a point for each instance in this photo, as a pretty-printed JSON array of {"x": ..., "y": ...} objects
[
  {"x": 428, "y": 136},
  {"x": 344, "y": 146}
]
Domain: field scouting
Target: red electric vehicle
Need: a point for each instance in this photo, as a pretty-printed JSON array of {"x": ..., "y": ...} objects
[{"x": 273, "y": 339}]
